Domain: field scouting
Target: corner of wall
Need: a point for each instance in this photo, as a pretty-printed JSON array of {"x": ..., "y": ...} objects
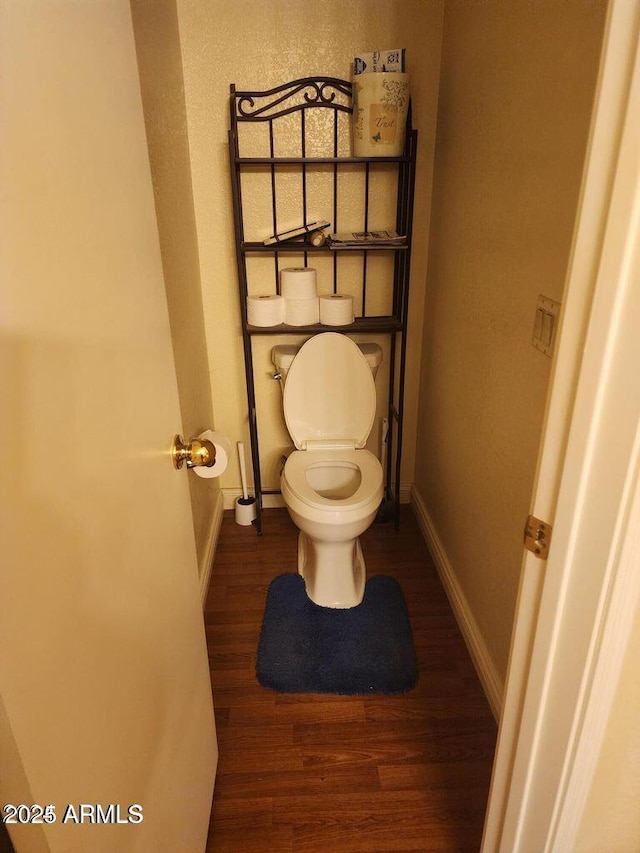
[{"x": 488, "y": 674}]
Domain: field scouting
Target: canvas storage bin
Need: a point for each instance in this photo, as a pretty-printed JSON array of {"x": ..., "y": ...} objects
[{"x": 380, "y": 104}]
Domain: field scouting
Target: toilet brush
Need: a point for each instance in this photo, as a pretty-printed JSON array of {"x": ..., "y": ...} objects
[
  {"x": 245, "y": 506},
  {"x": 387, "y": 509}
]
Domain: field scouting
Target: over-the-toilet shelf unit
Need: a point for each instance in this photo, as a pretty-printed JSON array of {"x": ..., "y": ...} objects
[{"x": 291, "y": 163}]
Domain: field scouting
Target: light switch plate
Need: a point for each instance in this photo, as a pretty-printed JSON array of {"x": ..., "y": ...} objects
[{"x": 545, "y": 325}]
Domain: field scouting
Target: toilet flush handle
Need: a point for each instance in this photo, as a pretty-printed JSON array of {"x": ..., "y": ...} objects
[
  {"x": 278, "y": 376},
  {"x": 196, "y": 453}
]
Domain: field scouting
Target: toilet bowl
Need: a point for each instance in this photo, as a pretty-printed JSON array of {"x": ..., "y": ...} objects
[{"x": 331, "y": 485}]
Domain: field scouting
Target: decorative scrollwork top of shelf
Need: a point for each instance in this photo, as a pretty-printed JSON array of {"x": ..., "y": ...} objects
[{"x": 330, "y": 92}]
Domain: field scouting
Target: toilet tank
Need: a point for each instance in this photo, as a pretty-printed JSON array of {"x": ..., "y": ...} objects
[{"x": 283, "y": 355}]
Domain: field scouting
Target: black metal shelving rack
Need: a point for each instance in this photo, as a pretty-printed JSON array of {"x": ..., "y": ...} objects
[{"x": 271, "y": 107}]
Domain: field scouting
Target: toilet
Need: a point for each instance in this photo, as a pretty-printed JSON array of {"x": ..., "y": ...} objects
[{"x": 331, "y": 485}]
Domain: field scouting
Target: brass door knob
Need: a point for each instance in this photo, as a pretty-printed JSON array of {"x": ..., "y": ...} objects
[{"x": 196, "y": 453}]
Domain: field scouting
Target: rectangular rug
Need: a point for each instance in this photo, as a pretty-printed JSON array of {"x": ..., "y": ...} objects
[{"x": 362, "y": 650}]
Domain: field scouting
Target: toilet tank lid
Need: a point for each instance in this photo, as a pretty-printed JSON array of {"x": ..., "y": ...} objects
[
  {"x": 373, "y": 354},
  {"x": 283, "y": 354}
]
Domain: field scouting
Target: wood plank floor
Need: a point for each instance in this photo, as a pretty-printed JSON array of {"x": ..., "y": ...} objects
[{"x": 310, "y": 773}]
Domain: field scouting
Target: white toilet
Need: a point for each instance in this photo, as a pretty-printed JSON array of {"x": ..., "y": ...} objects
[{"x": 331, "y": 484}]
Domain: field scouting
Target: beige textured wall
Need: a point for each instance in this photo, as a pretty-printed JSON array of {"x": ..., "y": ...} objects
[
  {"x": 258, "y": 45},
  {"x": 517, "y": 83},
  {"x": 160, "y": 68}
]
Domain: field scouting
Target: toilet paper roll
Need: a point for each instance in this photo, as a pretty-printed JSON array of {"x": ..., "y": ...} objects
[
  {"x": 301, "y": 312},
  {"x": 298, "y": 282},
  {"x": 336, "y": 310},
  {"x": 265, "y": 310},
  {"x": 223, "y": 454}
]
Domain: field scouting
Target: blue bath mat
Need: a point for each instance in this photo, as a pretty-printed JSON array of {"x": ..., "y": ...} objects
[{"x": 366, "y": 649}]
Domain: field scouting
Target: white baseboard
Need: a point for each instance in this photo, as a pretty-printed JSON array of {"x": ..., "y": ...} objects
[
  {"x": 492, "y": 684},
  {"x": 270, "y": 501},
  {"x": 210, "y": 552}
]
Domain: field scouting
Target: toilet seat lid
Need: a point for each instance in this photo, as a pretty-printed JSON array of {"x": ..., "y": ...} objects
[{"x": 329, "y": 394}]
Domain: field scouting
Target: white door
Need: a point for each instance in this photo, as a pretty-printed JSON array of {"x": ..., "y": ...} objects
[{"x": 106, "y": 714}]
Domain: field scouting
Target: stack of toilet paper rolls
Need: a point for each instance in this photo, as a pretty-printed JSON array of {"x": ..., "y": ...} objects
[
  {"x": 299, "y": 287},
  {"x": 298, "y": 303}
]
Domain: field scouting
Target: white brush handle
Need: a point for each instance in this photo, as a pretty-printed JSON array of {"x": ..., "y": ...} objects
[{"x": 243, "y": 470}]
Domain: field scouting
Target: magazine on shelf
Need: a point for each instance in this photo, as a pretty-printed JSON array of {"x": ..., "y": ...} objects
[{"x": 366, "y": 238}]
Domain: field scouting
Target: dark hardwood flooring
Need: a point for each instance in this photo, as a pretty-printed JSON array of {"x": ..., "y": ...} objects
[{"x": 333, "y": 773}]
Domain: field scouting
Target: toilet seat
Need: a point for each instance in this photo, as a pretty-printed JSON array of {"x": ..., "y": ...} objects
[
  {"x": 370, "y": 487},
  {"x": 329, "y": 395}
]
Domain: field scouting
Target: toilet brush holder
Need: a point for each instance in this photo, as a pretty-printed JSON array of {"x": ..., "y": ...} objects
[
  {"x": 245, "y": 506},
  {"x": 245, "y": 511}
]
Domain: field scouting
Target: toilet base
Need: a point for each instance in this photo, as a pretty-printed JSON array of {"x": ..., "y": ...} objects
[{"x": 334, "y": 572}]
